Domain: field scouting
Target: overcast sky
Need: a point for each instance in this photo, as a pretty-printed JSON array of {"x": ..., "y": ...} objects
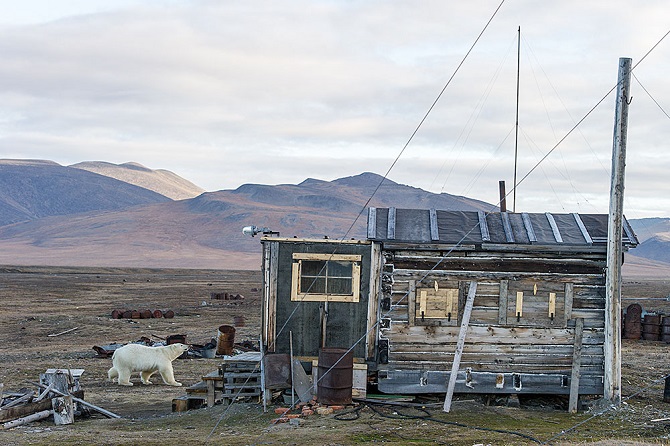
[{"x": 226, "y": 93}]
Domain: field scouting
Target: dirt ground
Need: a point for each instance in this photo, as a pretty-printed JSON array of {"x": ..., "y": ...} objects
[{"x": 38, "y": 301}]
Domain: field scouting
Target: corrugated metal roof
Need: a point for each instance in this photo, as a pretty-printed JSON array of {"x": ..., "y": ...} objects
[{"x": 472, "y": 227}]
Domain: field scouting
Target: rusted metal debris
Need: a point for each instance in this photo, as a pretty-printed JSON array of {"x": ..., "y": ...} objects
[
  {"x": 141, "y": 314},
  {"x": 226, "y": 296}
]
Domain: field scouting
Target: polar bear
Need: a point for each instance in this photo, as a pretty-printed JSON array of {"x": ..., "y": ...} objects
[{"x": 147, "y": 360}]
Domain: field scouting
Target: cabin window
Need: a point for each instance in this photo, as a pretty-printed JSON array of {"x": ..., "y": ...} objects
[
  {"x": 437, "y": 305},
  {"x": 326, "y": 277}
]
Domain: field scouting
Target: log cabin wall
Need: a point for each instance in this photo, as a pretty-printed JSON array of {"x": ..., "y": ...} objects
[{"x": 536, "y": 274}]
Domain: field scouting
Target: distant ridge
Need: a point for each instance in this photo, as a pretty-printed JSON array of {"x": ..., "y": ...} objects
[
  {"x": 34, "y": 189},
  {"x": 206, "y": 231},
  {"x": 161, "y": 181},
  {"x": 66, "y": 216}
]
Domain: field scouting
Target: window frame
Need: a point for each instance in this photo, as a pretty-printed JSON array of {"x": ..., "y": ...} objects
[{"x": 296, "y": 275}]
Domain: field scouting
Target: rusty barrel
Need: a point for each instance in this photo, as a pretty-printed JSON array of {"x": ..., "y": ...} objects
[
  {"x": 336, "y": 376},
  {"x": 665, "y": 329},
  {"x": 226, "y": 340},
  {"x": 633, "y": 322},
  {"x": 238, "y": 321},
  {"x": 651, "y": 327}
]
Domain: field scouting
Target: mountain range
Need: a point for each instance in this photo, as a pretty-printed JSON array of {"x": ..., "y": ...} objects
[{"x": 103, "y": 214}]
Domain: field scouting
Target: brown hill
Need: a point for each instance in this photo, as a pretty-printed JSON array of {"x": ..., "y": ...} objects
[
  {"x": 206, "y": 231},
  {"x": 160, "y": 181},
  {"x": 33, "y": 189}
]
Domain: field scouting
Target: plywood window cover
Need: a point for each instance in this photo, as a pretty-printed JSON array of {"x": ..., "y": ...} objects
[
  {"x": 436, "y": 304},
  {"x": 298, "y": 295}
]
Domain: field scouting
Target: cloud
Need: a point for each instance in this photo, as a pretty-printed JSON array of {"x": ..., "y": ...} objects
[{"x": 226, "y": 93}]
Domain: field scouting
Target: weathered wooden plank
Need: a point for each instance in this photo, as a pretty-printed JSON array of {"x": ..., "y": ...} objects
[
  {"x": 529, "y": 227},
  {"x": 390, "y": 232},
  {"x": 582, "y": 228},
  {"x": 411, "y": 301},
  {"x": 483, "y": 226},
  {"x": 516, "y": 368},
  {"x": 419, "y": 274},
  {"x": 545, "y": 360},
  {"x": 465, "y": 321},
  {"x": 576, "y": 366},
  {"x": 372, "y": 223},
  {"x": 498, "y": 349},
  {"x": 554, "y": 254},
  {"x": 434, "y": 231},
  {"x": 503, "y": 302},
  {"x": 402, "y": 332},
  {"x": 554, "y": 228},
  {"x": 373, "y": 300}
]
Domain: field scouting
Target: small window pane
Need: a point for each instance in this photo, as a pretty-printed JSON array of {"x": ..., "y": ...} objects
[
  {"x": 339, "y": 286},
  {"x": 339, "y": 269},
  {"x": 313, "y": 268},
  {"x": 313, "y": 285}
]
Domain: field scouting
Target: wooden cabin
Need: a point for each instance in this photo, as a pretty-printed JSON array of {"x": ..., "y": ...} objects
[{"x": 538, "y": 308}]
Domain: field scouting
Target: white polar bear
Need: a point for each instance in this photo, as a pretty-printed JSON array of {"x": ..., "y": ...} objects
[{"x": 147, "y": 360}]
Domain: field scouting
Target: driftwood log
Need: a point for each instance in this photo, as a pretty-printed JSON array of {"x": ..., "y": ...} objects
[
  {"x": 79, "y": 400},
  {"x": 25, "y": 420}
]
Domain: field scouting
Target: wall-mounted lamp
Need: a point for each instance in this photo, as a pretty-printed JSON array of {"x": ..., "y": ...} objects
[{"x": 253, "y": 230}]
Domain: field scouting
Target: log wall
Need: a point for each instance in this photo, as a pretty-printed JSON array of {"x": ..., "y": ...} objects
[{"x": 508, "y": 332}]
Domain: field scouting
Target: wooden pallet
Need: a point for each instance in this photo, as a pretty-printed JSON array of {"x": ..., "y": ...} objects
[{"x": 241, "y": 376}]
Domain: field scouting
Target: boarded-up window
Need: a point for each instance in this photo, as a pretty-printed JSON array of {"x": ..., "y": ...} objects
[
  {"x": 538, "y": 304},
  {"x": 437, "y": 305},
  {"x": 326, "y": 277}
]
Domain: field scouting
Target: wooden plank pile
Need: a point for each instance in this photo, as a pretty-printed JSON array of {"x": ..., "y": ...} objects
[
  {"x": 238, "y": 377},
  {"x": 58, "y": 395}
]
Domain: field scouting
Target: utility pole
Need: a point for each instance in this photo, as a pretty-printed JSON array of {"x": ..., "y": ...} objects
[
  {"x": 516, "y": 135},
  {"x": 612, "y": 379}
]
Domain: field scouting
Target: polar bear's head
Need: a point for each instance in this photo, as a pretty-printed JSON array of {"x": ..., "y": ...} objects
[{"x": 178, "y": 348}]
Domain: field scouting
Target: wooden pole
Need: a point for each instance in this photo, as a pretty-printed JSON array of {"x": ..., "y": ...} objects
[
  {"x": 516, "y": 137},
  {"x": 459, "y": 345},
  {"x": 573, "y": 402},
  {"x": 612, "y": 348}
]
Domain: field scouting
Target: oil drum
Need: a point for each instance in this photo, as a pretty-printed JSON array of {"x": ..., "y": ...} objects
[
  {"x": 633, "y": 322},
  {"x": 335, "y": 376},
  {"x": 651, "y": 327},
  {"x": 665, "y": 329}
]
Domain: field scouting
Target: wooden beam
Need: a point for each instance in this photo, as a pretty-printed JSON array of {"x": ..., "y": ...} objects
[
  {"x": 372, "y": 222},
  {"x": 567, "y": 309},
  {"x": 411, "y": 303},
  {"x": 576, "y": 366},
  {"x": 507, "y": 227},
  {"x": 390, "y": 233},
  {"x": 554, "y": 228},
  {"x": 582, "y": 227},
  {"x": 465, "y": 321},
  {"x": 373, "y": 299},
  {"x": 434, "y": 230},
  {"x": 502, "y": 302},
  {"x": 483, "y": 226},
  {"x": 532, "y": 238}
]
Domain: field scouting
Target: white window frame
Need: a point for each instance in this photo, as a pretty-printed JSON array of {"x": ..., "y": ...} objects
[{"x": 298, "y": 295}]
